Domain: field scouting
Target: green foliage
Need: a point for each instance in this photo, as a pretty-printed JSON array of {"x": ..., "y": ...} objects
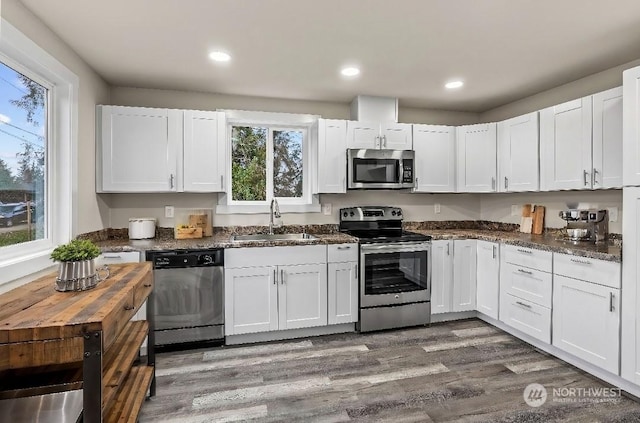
[
  {"x": 249, "y": 163},
  {"x": 33, "y": 100},
  {"x": 7, "y": 181},
  {"x": 76, "y": 250},
  {"x": 287, "y": 164},
  {"x": 16, "y": 237}
]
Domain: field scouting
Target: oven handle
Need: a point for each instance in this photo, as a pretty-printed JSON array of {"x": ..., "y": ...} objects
[{"x": 404, "y": 247}]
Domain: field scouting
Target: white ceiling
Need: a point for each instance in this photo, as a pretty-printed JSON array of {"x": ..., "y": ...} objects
[{"x": 503, "y": 49}]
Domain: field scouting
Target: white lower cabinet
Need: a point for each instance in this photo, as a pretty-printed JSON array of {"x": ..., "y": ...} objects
[
  {"x": 630, "y": 342},
  {"x": 342, "y": 283},
  {"x": 285, "y": 288},
  {"x": 488, "y": 278},
  {"x": 453, "y": 276},
  {"x": 526, "y": 316}
]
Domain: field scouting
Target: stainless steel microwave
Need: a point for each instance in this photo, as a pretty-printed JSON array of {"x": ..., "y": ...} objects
[{"x": 380, "y": 169}]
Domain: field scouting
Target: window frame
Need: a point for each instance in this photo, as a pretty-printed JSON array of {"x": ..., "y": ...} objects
[
  {"x": 309, "y": 201},
  {"x": 20, "y": 53}
]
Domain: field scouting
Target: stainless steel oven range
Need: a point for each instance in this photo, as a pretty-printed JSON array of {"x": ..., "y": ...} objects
[
  {"x": 395, "y": 268},
  {"x": 189, "y": 297}
]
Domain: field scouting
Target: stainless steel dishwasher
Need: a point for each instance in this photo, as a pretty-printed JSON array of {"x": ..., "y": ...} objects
[{"x": 189, "y": 297}]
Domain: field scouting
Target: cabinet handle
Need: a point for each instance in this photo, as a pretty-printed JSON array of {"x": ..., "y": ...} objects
[
  {"x": 344, "y": 247},
  {"x": 595, "y": 172},
  {"x": 526, "y": 272},
  {"x": 357, "y": 272},
  {"x": 580, "y": 261},
  {"x": 447, "y": 248},
  {"x": 275, "y": 277},
  {"x": 584, "y": 175},
  {"x": 128, "y": 307},
  {"x": 171, "y": 181},
  {"x": 493, "y": 252},
  {"x": 147, "y": 285},
  {"x": 377, "y": 142},
  {"x": 112, "y": 257},
  {"x": 506, "y": 183},
  {"x": 523, "y": 304},
  {"x": 384, "y": 142},
  {"x": 282, "y": 276},
  {"x": 493, "y": 183},
  {"x": 525, "y": 251},
  {"x": 610, "y": 301},
  {"x": 221, "y": 181}
]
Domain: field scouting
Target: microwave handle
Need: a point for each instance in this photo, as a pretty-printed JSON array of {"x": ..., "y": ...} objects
[{"x": 400, "y": 170}]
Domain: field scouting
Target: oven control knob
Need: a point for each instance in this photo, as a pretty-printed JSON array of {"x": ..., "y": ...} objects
[
  {"x": 345, "y": 214},
  {"x": 206, "y": 259},
  {"x": 393, "y": 213},
  {"x": 399, "y": 212},
  {"x": 351, "y": 214},
  {"x": 397, "y": 296}
]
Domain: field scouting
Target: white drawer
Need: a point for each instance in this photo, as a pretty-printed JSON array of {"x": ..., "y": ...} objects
[
  {"x": 118, "y": 257},
  {"x": 526, "y": 316},
  {"x": 342, "y": 253},
  {"x": 528, "y": 284},
  {"x": 528, "y": 257},
  {"x": 602, "y": 272}
]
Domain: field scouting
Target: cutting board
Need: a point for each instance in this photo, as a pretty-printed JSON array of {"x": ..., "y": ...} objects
[
  {"x": 537, "y": 225},
  {"x": 526, "y": 221}
]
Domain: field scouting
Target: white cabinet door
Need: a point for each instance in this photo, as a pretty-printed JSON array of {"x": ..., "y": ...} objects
[
  {"x": 302, "y": 296},
  {"x": 464, "y": 275},
  {"x": 204, "y": 159},
  {"x": 607, "y": 139},
  {"x": 138, "y": 149},
  {"x": 332, "y": 156},
  {"x": 251, "y": 300},
  {"x": 342, "y": 282},
  {"x": 435, "y": 164},
  {"x": 630, "y": 342},
  {"x": 476, "y": 154},
  {"x": 518, "y": 144},
  {"x": 631, "y": 126},
  {"x": 488, "y": 278},
  {"x": 586, "y": 321},
  {"x": 363, "y": 134},
  {"x": 396, "y": 136},
  {"x": 565, "y": 146},
  {"x": 441, "y": 276}
]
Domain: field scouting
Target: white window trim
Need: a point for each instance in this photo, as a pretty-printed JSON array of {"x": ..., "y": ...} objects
[
  {"x": 20, "y": 52},
  {"x": 310, "y": 202}
]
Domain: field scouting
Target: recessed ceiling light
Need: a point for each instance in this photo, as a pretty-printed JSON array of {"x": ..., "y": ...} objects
[
  {"x": 453, "y": 84},
  {"x": 219, "y": 56},
  {"x": 350, "y": 71}
]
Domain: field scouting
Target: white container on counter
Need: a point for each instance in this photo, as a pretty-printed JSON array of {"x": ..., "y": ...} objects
[{"x": 142, "y": 228}]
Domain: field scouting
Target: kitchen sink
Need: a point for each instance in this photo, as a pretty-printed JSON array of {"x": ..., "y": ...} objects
[{"x": 273, "y": 237}]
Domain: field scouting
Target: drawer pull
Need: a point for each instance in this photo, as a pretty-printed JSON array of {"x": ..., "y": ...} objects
[
  {"x": 522, "y": 250},
  {"x": 580, "y": 261},
  {"x": 127, "y": 307},
  {"x": 345, "y": 247},
  {"x": 610, "y": 301},
  {"x": 147, "y": 285},
  {"x": 523, "y": 304},
  {"x": 526, "y": 272},
  {"x": 112, "y": 257}
]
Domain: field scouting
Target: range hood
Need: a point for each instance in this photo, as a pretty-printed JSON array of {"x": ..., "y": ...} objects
[{"x": 374, "y": 109}]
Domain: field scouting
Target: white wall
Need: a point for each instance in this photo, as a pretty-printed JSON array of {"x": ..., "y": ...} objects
[
  {"x": 92, "y": 214},
  {"x": 497, "y": 207}
]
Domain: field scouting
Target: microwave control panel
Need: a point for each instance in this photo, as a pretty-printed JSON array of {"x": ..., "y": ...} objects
[{"x": 407, "y": 171}]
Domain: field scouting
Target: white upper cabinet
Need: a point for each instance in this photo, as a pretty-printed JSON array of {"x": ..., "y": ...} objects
[
  {"x": 565, "y": 146},
  {"x": 631, "y": 130},
  {"x": 332, "y": 156},
  {"x": 204, "y": 151},
  {"x": 476, "y": 154},
  {"x": 518, "y": 163},
  {"x": 607, "y": 139},
  {"x": 390, "y": 136},
  {"x": 159, "y": 150},
  {"x": 435, "y": 164},
  {"x": 138, "y": 149}
]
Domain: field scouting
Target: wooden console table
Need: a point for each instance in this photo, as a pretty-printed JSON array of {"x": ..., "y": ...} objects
[{"x": 55, "y": 341}]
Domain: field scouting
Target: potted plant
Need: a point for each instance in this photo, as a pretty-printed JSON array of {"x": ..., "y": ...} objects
[{"x": 77, "y": 269}]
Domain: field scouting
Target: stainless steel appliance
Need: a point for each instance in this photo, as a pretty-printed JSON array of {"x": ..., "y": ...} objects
[
  {"x": 380, "y": 169},
  {"x": 395, "y": 268},
  {"x": 59, "y": 407},
  {"x": 589, "y": 225},
  {"x": 189, "y": 296}
]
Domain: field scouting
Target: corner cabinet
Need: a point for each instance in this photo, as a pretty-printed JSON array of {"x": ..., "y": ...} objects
[
  {"x": 435, "y": 167},
  {"x": 279, "y": 288},
  {"x": 453, "y": 276},
  {"x": 518, "y": 144},
  {"x": 631, "y": 126},
  {"x": 159, "y": 150},
  {"x": 476, "y": 158}
]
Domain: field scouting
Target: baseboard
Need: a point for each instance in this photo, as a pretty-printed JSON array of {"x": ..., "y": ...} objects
[{"x": 448, "y": 317}]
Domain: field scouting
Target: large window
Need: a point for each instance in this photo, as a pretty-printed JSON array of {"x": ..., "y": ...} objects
[{"x": 23, "y": 148}]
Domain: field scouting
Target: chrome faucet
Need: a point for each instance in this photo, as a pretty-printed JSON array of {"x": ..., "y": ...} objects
[{"x": 275, "y": 213}]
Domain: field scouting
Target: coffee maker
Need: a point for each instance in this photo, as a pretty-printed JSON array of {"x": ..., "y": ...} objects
[{"x": 588, "y": 225}]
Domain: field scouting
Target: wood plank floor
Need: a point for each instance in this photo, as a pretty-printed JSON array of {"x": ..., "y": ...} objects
[{"x": 458, "y": 371}]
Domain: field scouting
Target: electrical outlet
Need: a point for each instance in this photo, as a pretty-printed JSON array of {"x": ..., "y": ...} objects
[
  {"x": 436, "y": 208},
  {"x": 515, "y": 210},
  {"x": 613, "y": 214},
  {"x": 326, "y": 209},
  {"x": 169, "y": 212}
]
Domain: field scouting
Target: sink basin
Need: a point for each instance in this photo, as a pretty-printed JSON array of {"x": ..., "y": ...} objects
[{"x": 273, "y": 237}]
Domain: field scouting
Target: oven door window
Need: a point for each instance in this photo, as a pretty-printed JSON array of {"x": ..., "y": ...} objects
[
  {"x": 375, "y": 170},
  {"x": 388, "y": 273}
]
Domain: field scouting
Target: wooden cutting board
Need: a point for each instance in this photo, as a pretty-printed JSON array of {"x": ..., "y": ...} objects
[
  {"x": 526, "y": 222},
  {"x": 537, "y": 225}
]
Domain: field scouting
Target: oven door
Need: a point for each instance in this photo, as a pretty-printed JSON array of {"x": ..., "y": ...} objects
[{"x": 396, "y": 273}]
